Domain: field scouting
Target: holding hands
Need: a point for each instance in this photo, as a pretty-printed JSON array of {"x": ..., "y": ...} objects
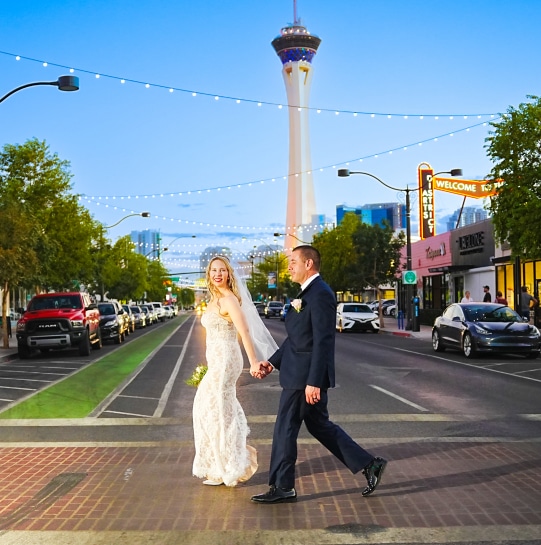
[{"x": 261, "y": 369}]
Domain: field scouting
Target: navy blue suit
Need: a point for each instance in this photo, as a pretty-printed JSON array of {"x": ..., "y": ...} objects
[{"x": 306, "y": 357}]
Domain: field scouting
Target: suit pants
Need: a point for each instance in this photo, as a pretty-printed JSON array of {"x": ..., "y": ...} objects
[{"x": 292, "y": 411}]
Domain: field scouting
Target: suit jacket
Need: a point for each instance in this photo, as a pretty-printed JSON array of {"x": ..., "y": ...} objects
[{"x": 306, "y": 357}]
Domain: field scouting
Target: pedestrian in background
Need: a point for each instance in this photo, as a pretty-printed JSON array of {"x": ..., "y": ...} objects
[
  {"x": 467, "y": 298},
  {"x": 487, "y": 297},
  {"x": 526, "y": 301},
  {"x": 500, "y": 298}
]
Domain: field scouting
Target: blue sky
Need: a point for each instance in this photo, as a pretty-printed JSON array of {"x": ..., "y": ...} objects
[{"x": 128, "y": 144}]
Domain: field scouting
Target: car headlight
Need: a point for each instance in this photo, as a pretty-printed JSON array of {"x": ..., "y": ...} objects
[
  {"x": 21, "y": 326},
  {"x": 76, "y": 323},
  {"x": 110, "y": 323},
  {"x": 482, "y": 330},
  {"x": 534, "y": 332}
]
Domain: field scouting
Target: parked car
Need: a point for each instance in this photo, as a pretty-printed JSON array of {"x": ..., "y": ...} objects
[
  {"x": 473, "y": 328},
  {"x": 131, "y": 318},
  {"x": 284, "y": 312},
  {"x": 113, "y": 325},
  {"x": 386, "y": 305},
  {"x": 273, "y": 309},
  {"x": 59, "y": 320},
  {"x": 390, "y": 310},
  {"x": 152, "y": 315},
  {"x": 260, "y": 307},
  {"x": 168, "y": 310},
  {"x": 160, "y": 312},
  {"x": 356, "y": 317},
  {"x": 139, "y": 316},
  {"x": 149, "y": 314}
]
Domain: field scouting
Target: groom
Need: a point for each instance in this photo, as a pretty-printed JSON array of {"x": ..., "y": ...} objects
[{"x": 306, "y": 364}]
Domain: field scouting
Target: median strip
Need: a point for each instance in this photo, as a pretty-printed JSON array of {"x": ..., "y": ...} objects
[{"x": 79, "y": 394}]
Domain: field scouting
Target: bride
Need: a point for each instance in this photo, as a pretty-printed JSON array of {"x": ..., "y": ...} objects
[{"x": 222, "y": 455}]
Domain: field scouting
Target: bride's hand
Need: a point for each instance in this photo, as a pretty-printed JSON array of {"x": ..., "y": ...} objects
[{"x": 259, "y": 369}]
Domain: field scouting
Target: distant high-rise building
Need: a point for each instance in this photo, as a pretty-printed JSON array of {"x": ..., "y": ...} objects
[
  {"x": 210, "y": 252},
  {"x": 147, "y": 243},
  {"x": 377, "y": 213},
  {"x": 296, "y": 48},
  {"x": 469, "y": 215}
]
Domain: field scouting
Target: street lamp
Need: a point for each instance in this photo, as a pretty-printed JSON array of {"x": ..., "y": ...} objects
[
  {"x": 344, "y": 173},
  {"x": 273, "y": 251},
  {"x": 290, "y": 235},
  {"x": 142, "y": 214},
  {"x": 64, "y": 83}
]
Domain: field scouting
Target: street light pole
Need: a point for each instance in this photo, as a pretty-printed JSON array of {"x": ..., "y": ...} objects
[
  {"x": 344, "y": 172},
  {"x": 64, "y": 83},
  {"x": 142, "y": 214}
]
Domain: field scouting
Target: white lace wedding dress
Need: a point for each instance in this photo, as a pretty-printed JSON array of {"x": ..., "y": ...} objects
[{"x": 219, "y": 423}]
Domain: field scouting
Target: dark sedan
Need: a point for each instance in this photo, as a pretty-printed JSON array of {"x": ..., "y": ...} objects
[
  {"x": 112, "y": 323},
  {"x": 485, "y": 327}
]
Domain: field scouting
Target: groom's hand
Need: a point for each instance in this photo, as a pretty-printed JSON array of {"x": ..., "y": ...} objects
[
  {"x": 261, "y": 369},
  {"x": 313, "y": 394}
]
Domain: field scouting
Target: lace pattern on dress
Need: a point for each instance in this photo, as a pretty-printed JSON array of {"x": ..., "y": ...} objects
[{"x": 220, "y": 425}]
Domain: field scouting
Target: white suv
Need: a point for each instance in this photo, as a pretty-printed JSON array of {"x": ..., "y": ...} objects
[{"x": 160, "y": 311}]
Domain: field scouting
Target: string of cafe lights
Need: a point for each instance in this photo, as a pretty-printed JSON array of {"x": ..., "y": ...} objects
[
  {"x": 240, "y": 100},
  {"x": 253, "y": 183},
  {"x": 305, "y": 228}
]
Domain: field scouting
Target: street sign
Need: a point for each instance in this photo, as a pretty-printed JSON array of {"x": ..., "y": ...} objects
[
  {"x": 409, "y": 277},
  {"x": 174, "y": 278}
]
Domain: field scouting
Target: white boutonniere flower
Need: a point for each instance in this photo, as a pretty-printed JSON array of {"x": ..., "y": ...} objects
[{"x": 297, "y": 304}]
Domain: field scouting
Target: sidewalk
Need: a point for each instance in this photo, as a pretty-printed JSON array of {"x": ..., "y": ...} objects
[
  {"x": 8, "y": 354},
  {"x": 391, "y": 327}
]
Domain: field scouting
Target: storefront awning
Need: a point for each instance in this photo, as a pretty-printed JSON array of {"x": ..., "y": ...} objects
[{"x": 450, "y": 268}]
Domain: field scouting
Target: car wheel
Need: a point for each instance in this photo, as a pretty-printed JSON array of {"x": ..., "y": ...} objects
[
  {"x": 436, "y": 342},
  {"x": 340, "y": 327},
  {"x": 532, "y": 355},
  {"x": 98, "y": 343},
  {"x": 393, "y": 312},
  {"x": 118, "y": 338},
  {"x": 467, "y": 346},
  {"x": 84, "y": 345},
  {"x": 24, "y": 352}
]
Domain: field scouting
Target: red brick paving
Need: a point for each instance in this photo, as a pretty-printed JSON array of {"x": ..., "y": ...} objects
[{"x": 151, "y": 488}]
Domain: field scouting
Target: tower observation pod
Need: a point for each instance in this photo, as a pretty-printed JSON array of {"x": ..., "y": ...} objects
[{"x": 296, "y": 48}]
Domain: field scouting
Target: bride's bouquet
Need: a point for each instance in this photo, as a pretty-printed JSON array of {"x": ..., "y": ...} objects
[{"x": 197, "y": 376}]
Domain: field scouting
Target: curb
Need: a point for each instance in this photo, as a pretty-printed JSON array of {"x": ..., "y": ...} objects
[{"x": 9, "y": 357}]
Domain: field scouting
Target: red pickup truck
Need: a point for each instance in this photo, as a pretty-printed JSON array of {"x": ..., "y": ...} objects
[{"x": 59, "y": 320}]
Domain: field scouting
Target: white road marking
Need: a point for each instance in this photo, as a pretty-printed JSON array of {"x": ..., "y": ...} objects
[
  {"x": 468, "y": 365},
  {"x": 407, "y": 402}
]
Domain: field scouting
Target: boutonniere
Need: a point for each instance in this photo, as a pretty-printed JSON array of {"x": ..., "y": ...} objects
[{"x": 297, "y": 304}]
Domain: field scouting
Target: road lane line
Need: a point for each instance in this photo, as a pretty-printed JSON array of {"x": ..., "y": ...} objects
[
  {"x": 169, "y": 386},
  {"x": 410, "y": 403},
  {"x": 481, "y": 367}
]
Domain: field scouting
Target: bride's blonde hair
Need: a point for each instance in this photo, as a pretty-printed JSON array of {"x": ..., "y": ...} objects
[{"x": 231, "y": 278}]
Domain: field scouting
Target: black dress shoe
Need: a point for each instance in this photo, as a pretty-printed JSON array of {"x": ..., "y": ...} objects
[
  {"x": 373, "y": 473},
  {"x": 276, "y": 495}
]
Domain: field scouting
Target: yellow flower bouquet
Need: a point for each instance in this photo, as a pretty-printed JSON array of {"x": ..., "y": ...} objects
[{"x": 197, "y": 376}]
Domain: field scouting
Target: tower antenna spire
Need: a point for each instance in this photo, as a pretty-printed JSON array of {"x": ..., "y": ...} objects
[{"x": 295, "y": 20}]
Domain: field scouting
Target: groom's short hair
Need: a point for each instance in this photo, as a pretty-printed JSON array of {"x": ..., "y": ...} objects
[{"x": 309, "y": 252}]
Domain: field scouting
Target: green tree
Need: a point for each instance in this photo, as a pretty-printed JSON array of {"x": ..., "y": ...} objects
[
  {"x": 17, "y": 254},
  {"x": 40, "y": 183},
  {"x": 356, "y": 255},
  {"x": 125, "y": 271},
  {"x": 514, "y": 149},
  {"x": 156, "y": 274},
  {"x": 337, "y": 250},
  {"x": 185, "y": 296}
]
